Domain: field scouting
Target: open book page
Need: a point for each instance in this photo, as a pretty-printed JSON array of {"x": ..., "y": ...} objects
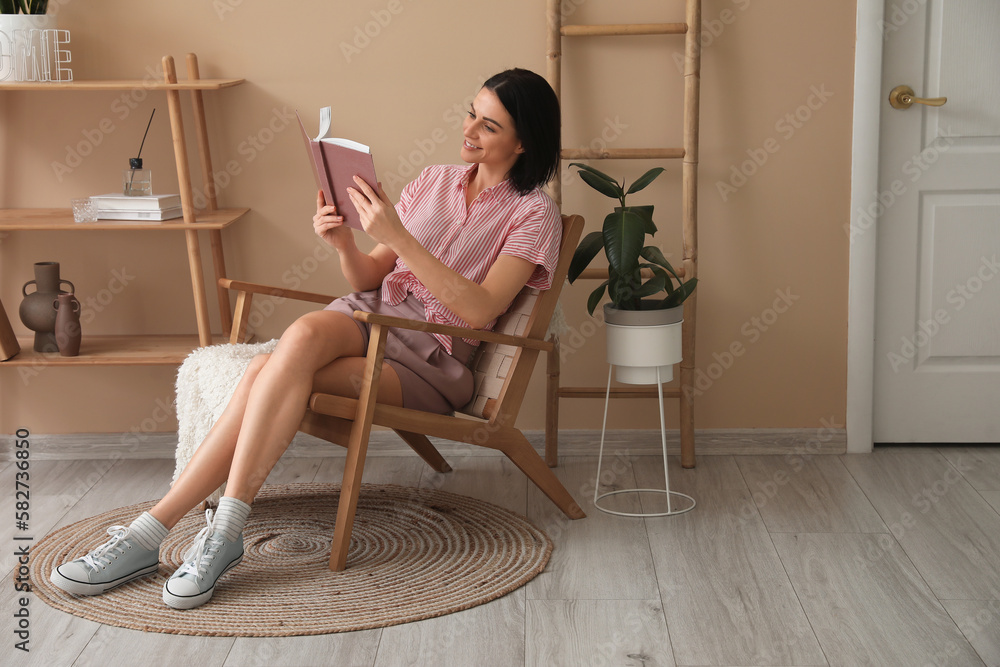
[
  {"x": 326, "y": 126},
  {"x": 347, "y": 143}
]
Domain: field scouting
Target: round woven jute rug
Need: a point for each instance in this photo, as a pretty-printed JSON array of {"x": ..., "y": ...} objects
[{"x": 415, "y": 554}]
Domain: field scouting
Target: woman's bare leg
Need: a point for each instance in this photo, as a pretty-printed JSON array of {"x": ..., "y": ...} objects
[
  {"x": 342, "y": 378},
  {"x": 212, "y": 463},
  {"x": 320, "y": 351},
  {"x": 209, "y": 466},
  {"x": 277, "y": 401}
]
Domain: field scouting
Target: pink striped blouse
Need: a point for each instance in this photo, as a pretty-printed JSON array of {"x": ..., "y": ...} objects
[{"x": 469, "y": 239}]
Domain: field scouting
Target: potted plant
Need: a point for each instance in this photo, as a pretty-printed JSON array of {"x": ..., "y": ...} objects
[
  {"x": 644, "y": 317},
  {"x": 20, "y": 15},
  {"x": 23, "y": 6}
]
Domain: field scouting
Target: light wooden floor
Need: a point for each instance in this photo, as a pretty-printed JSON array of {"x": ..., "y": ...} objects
[{"x": 885, "y": 559}]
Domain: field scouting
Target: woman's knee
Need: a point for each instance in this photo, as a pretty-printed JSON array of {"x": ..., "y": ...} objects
[
  {"x": 257, "y": 363},
  {"x": 303, "y": 332},
  {"x": 254, "y": 368},
  {"x": 322, "y": 334}
]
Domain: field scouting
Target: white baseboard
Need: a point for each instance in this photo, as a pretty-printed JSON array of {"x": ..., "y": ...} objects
[{"x": 386, "y": 443}]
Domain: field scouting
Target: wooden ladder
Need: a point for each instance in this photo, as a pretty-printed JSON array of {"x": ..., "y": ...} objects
[{"x": 688, "y": 154}]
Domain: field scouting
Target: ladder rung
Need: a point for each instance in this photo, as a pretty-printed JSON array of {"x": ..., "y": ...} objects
[
  {"x": 620, "y": 153},
  {"x": 624, "y": 29},
  {"x": 602, "y": 273}
]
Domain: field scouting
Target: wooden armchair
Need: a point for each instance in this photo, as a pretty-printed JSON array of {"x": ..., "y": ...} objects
[{"x": 502, "y": 366}]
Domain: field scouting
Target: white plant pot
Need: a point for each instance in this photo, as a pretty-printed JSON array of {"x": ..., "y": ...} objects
[
  {"x": 642, "y": 341},
  {"x": 13, "y": 65}
]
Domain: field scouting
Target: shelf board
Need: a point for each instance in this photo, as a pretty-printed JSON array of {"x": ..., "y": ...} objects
[
  {"x": 156, "y": 350},
  {"x": 127, "y": 84},
  {"x": 61, "y": 219}
]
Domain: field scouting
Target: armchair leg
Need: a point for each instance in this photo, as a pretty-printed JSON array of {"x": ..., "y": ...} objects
[
  {"x": 357, "y": 449},
  {"x": 552, "y": 404},
  {"x": 519, "y": 450},
  {"x": 428, "y": 452}
]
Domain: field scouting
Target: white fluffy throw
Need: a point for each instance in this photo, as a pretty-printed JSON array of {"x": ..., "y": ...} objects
[{"x": 205, "y": 383}]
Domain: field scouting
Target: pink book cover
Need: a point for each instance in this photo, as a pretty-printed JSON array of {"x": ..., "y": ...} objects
[{"x": 335, "y": 162}]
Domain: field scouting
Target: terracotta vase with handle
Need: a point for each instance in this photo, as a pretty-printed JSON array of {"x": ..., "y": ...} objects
[
  {"x": 36, "y": 309},
  {"x": 67, "y": 330}
]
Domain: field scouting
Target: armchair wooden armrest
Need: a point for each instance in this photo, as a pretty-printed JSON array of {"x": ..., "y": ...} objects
[
  {"x": 244, "y": 300},
  {"x": 447, "y": 330},
  {"x": 254, "y": 288},
  {"x": 246, "y": 291}
]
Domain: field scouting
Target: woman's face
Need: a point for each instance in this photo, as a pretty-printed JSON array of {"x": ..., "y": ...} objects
[{"x": 490, "y": 135}]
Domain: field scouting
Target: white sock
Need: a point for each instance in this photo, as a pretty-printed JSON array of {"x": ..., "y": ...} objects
[
  {"x": 230, "y": 518},
  {"x": 147, "y": 531}
]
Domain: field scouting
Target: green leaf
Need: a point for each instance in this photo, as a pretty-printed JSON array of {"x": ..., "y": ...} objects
[
  {"x": 668, "y": 283},
  {"x": 595, "y": 172},
  {"x": 655, "y": 284},
  {"x": 623, "y": 235},
  {"x": 595, "y": 297},
  {"x": 612, "y": 285},
  {"x": 655, "y": 255},
  {"x": 608, "y": 189},
  {"x": 688, "y": 287},
  {"x": 680, "y": 294},
  {"x": 618, "y": 290},
  {"x": 646, "y": 213},
  {"x": 623, "y": 290},
  {"x": 645, "y": 180},
  {"x": 591, "y": 244}
]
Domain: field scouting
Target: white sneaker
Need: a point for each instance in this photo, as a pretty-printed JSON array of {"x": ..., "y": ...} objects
[
  {"x": 210, "y": 557},
  {"x": 116, "y": 562}
]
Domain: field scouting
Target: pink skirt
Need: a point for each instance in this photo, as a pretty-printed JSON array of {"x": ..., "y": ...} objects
[{"x": 432, "y": 380}]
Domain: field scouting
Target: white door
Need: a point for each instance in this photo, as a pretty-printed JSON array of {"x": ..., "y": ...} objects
[{"x": 937, "y": 322}]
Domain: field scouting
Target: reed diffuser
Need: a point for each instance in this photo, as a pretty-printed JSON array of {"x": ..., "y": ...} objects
[{"x": 137, "y": 181}]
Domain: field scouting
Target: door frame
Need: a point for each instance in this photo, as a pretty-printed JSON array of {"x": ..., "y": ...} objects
[{"x": 863, "y": 227}]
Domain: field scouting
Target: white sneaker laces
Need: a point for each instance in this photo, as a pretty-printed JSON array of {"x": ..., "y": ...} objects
[
  {"x": 102, "y": 556},
  {"x": 201, "y": 554}
]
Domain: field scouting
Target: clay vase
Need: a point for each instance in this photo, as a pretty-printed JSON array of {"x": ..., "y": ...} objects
[
  {"x": 67, "y": 329},
  {"x": 36, "y": 309}
]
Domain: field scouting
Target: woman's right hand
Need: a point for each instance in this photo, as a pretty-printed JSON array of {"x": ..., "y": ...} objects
[{"x": 329, "y": 226}]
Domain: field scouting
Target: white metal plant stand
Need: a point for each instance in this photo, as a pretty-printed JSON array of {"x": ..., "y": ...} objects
[{"x": 666, "y": 474}]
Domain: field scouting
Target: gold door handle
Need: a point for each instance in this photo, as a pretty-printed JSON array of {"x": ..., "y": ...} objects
[{"x": 903, "y": 97}]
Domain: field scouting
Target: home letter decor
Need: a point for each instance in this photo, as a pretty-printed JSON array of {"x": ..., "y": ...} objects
[{"x": 33, "y": 52}]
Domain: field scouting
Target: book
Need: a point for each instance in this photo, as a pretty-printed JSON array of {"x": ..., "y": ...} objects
[
  {"x": 121, "y": 202},
  {"x": 165, "y": 214},
  {"x": 335, "y": 162}
]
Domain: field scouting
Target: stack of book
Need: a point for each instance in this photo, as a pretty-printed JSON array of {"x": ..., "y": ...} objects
[{"x": 144, "y": 207}]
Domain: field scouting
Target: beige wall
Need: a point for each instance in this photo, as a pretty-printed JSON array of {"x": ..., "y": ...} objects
[{"x": 776, "y": 230}]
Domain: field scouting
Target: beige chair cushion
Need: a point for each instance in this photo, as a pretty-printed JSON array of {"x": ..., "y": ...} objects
[{"x": 492, "y": 361}]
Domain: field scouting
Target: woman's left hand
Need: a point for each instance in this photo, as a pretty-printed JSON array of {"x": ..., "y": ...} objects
[{"x": 378, "y": 215}]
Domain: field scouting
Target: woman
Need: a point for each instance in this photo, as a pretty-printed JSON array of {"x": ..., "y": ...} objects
[{"x": 456, "y": 249}]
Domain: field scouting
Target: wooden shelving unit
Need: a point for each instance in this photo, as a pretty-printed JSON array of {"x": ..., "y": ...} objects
[
  {"x": 124, "y": 84},
  {"x": 141, "y": 349},
  {"x": 61, "y": 220},
  {"x": 147, "y": 350}
]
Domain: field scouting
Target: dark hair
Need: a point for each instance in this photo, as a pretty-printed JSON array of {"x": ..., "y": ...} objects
[{"x": 531, "y": 102}]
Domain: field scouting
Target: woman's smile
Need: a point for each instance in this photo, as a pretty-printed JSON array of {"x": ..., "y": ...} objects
[{"x": 489, "y": 137}]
